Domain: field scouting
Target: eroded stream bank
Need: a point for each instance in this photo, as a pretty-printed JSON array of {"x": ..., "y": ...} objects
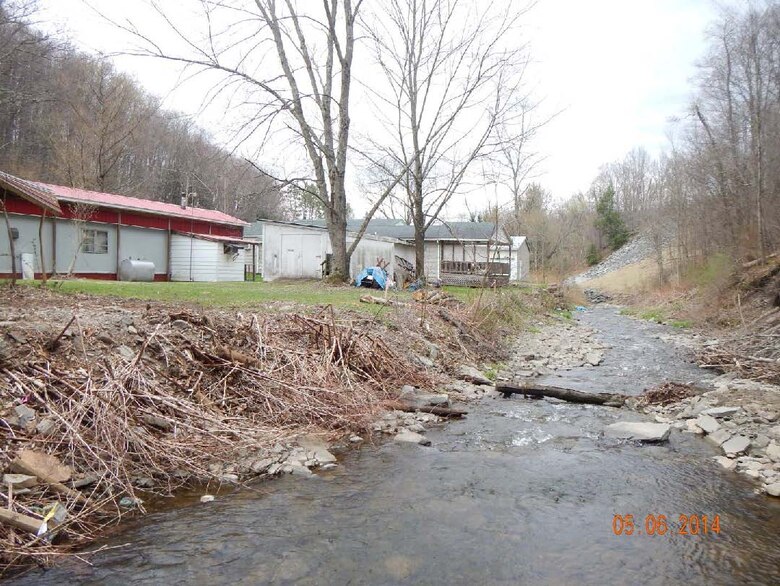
[{"x": 520, "y": 492}]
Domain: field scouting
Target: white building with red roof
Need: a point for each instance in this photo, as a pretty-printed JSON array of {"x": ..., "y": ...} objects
[{"x": 63, "y": 230}]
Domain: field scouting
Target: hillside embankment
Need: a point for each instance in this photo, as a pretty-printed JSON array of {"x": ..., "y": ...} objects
[{"x": 107, "y": 405}]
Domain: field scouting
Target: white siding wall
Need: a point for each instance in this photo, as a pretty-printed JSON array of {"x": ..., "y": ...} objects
[
  {"x": 229, "y": 268},
  {"x": 366, "y": 254},
  {"x": 203, "y": 255}
]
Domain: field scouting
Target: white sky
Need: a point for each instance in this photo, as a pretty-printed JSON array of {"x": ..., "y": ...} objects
[{"x": 616, "y": 70}]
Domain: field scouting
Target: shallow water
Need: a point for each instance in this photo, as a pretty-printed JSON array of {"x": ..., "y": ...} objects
[{"x": 520, "y": 492}]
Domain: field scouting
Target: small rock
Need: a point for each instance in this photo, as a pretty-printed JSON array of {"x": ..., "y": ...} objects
[
  {"x": 721, "y": 411},
  {"x": 143, "y": 482},
  {"x": 298, "y": 470},
  {"x": 708, "y": 423},
  {"x": 132, "y": 330},
  {"x": 424, "y": 361},
  {"x": 125, "y": 352},
  {"x": 727, "y": 463},
  {"x": 25, "y": 415},
  {"x": 355, "y": 439},
  {"x": 639, "y": 431},
  {"x": 760, "y": 441},
  {"x": 129, "y": 502},
  {"x": 105, "y": 338},
  {"x": 232, "y": 478},
  {"x": 207, "y": 498},
  {"x": 750, "y": 473},
  {"x": 260, "y": 466},
  {"x": 773, "y": 452},
  {"x": 736, "y": 445},
  {"x": 593, "y": 358},
  {"x": 472, "y": 375},
  {"x": 180, "y": 324},
  {"x": 773, "y": 489},
  {"x": 719, "y": 437},
  {"x": 691, "y": 427},
  {"x": 416, "y": 428},
  {"x": 18, "y": 481},
  {"x": 330, "y": 466},
  {"x": 82, "y": 482},
  {"x": 46, "y": 426},
  {"x": 406, "y": 436},
  {"x": 274, "y": 469},
  {"x": 774, "y": 432},
  {"x": 158, "y": 422}
]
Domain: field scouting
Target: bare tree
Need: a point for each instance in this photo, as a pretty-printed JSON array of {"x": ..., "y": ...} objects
[{"x": 451, "y": 80}]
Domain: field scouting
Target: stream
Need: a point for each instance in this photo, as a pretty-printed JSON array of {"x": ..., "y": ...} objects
[{"x": 519, "y": 492}]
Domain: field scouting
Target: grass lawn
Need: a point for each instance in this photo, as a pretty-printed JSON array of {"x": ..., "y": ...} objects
[{"x": 226, "y": 294}]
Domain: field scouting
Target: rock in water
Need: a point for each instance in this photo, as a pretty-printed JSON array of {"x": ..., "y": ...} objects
[
  {"x": 736, "y": 445},
  {"x": 207, "y": 498},
  {"x": 639, "y": 431},
  {"x": 410, "y": 437},
  {"x": 773, "y": 489}
]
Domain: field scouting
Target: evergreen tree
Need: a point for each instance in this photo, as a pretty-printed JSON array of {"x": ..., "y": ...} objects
[{"x": 608, "y": 220}]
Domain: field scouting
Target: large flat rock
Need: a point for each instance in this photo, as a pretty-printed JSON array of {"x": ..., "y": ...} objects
[{"x": 639, "y": 431}]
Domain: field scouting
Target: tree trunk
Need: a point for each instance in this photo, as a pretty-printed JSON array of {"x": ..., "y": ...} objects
[{"x": 419, "y": 239}]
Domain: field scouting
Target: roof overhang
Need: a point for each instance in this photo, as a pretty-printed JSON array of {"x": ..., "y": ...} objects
[{"x": 31, "y": 192}]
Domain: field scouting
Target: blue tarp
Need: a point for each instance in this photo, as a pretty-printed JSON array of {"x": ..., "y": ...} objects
[{"x": 374, "y": 277}]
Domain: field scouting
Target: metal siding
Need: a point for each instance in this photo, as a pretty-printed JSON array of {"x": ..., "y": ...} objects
[
  {"x": 27, "y": 243},
  {"x": 227, "y": 268},
  {"x": 68, "y": 240},
  {"x": 204, "y": 259},
  {"x": 432, "y": 258},
  {"x": 366, "y": 253},
  {"x": 311, "y": 243},
  {"x": 144, "y": 244}
]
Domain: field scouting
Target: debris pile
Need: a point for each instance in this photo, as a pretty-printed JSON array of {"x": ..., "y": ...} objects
[{"x": 159, "y": 399}]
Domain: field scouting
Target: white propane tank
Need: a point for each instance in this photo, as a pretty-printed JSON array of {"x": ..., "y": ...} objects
[{"x": 136, "y": 270}]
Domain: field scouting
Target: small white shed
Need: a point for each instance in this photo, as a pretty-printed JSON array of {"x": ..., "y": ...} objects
[
  {"x": 521, "y": 259},
  {"x": 202, "y": 257},
  {"x": 297, "y": 251}
]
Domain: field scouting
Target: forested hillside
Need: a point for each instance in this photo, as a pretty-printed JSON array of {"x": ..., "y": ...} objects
[{"x": 72, "y": 119}]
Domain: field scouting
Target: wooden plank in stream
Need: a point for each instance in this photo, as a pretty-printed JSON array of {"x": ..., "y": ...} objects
[{"x": 570, "y": 395}]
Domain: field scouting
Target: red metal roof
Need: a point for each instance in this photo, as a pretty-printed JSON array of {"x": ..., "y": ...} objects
[
  {"x": 31, "y": 191},
  {"x": 147, "y": 206}
]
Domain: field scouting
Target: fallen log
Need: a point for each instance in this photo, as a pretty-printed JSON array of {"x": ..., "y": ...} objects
[
  {"x": 570, "y": 395},
  {"x": 433, "y": 410}
]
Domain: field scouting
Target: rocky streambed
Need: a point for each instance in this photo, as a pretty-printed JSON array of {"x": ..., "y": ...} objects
[{"x": 519, "y": 491}]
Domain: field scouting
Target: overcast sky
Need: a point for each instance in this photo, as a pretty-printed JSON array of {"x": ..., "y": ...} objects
[{"x": 616, "y": 70}]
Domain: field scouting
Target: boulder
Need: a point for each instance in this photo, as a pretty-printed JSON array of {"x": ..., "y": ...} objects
[
  {"x": 707, "y": 423},
  {"x": 721, "y": 411},
  {"x": 639, "y": 431},
  {"x": 472, "y": 375},
  {"x": 738, "y": 444},
  {"x": 46, "y": 467},
  {"x": 410, "y": 437}
]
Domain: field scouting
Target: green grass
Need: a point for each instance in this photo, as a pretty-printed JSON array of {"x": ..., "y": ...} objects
[
  {"x": 680, "y": 323},
  {"x": 228, "y": 294},
  {"x": 655, "y": 315}
]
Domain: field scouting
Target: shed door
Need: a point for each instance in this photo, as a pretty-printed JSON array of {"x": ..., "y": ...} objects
[
  {"x": 291, "y": 254},
  {"x": 301, "y": 256},
  {"x": 312, "y": 256}
]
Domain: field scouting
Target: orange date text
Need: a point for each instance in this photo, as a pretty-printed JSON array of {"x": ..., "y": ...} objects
[{"x": 661, "y": 525}]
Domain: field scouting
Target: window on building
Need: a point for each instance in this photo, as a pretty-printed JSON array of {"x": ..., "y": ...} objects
[{"x": 94, "y": 241}]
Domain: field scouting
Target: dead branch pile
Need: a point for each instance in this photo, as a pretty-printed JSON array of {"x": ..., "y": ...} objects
[
  {"x": 194, "y": 390},
  {"x": 753, "y": 351},
  {"x": 435, "y": 297},
  {"x": 667, "y": 394}
]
